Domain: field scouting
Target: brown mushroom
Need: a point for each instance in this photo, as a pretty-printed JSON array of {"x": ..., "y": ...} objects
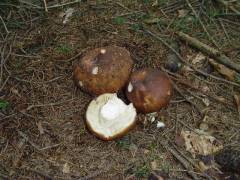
[
  {"x": 103, "y": 70},
  {"x": 149, "y": 90},
  {"x": 109, "y": 118}
]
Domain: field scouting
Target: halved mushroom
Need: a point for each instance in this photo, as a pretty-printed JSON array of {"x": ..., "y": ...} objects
[
  {"x": 149, "y": 90},
  {"x": 108, "y": 117},
  {"x": 103, "y": 70}
]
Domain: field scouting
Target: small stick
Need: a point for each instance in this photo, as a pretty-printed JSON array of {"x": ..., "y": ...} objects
[
  {"x": 214, "y": 53},
  {"x": 203, "y": 26},
  {"x": 229, "y": 6},
  {"x": 187, "y": 99},
  {"x": 46, "y": 176},
  {"x": 45, "y": 5},
  {"x": 224, "y": 30},
  {"x": 185, "y": 164},
  {"x": 4, "y": 25}
]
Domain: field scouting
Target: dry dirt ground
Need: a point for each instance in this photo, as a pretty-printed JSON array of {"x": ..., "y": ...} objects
[{"x": 42, "y": 130}]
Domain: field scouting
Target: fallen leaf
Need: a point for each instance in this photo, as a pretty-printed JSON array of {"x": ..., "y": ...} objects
[
  {"x": 179, "y": 140},
  {"x": 15, "y": 91},
  {"x": 182, "y": 13},
  {"x": 206, "y": 101},
  {"x": 200, "y": 143},
  {"x": 204, "y": 126},
  {"x": 155, "y": 3},
  {"x": 40, "y": 128},
  {"x": 154, "y": 165},
  {"x": 205, "y": 89},
  {"x": 199, "y": 58},
  {"x": 66, "y": 168},
  {"x": 67, "y": 14},
  {"x": 133, "y": 149},
  {"x": 146, "y": 151},
  {"x": 228, "y": 73},
  {"x": 237, "y": 100}
]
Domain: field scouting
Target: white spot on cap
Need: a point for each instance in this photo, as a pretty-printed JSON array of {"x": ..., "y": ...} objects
[
  {"x": 169, "y": 93},
  {"x": 130, "y": 87},
  {"x": 103, "y": 51},
  {"x": 95, "y": 70},
  {"x": 80, "y": 83}
]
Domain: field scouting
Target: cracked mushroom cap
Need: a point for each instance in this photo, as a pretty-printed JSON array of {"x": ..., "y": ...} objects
[
  {"x": 103, "y": 70},
  {"x": 109, "y": 118},
  {"x": 149, "y": 90}
]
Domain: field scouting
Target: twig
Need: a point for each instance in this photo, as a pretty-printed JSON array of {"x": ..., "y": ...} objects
[
  {"x": 49, "y": 104},
  {"x": 4, "y": 25},
  {"x": 224, "y": 30},
  {"x": 200, "y": 21},
  {"x": 187, "y": 63},
  {"x": 50, "y": 7},
  {"x": 46, "y": 176},
  {"x": 228, "y": 6},
  {"x": 185, "y": 164},
  {"x": 187, "y": 99},
  {"x": 214, "y": 53},
  {"x": 45, "y": 5},
  {"x": 25, "y": 137},
  {"x": 65, "y": 4}
]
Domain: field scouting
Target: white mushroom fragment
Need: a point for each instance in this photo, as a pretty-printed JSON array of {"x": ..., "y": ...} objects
[{"x": 108, "y": 117}]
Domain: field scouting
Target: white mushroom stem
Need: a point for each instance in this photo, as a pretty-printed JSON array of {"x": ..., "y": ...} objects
[{"x": 112, "y": 109}]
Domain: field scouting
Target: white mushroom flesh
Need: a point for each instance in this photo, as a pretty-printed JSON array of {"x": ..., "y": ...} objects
[{"x": 108, "y": 115}]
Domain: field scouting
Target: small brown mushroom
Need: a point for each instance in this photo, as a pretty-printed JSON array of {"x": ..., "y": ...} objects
[
  {"x": 103, "y": 70},
  {"x": 149, "y": 90},
  {"x": 109, "y": 118}
]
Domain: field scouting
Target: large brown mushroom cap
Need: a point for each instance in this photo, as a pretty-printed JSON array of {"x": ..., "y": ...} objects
[
  {"x": 149, "y": 90},
  {"x": 103, "y": 70}
]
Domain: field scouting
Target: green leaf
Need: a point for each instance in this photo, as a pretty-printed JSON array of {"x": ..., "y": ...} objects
[
  {"x": 3, "y": 104},
  {"x": 119, "y": 20},
  {"x": 136, "y": 27}
]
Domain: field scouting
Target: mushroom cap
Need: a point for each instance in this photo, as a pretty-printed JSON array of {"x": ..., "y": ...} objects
[
  {"x": 103, "y": 70},
  {"x": 149, "y": 90},
  {"x": 109, "y": 118}
]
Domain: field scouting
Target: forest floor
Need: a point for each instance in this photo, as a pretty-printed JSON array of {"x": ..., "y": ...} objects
[{"x": 42, "y": 130}]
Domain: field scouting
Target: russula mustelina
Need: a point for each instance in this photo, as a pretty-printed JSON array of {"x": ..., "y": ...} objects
[
  {"x": 109, "y": 118},
  {"x": 149, "y": 90},
  {"x": 103, "y": 70}
]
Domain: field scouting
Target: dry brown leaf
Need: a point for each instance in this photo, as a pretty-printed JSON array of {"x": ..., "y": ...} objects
[
  {"x": 66, "y": 168},
  {"x": 182, "y": 13},
  {"x": 67, "y": 15},
  {"x": 154, "y": 165},
  {"x": 40, "y": 128},
  {"x": 199, "y": 58},
  {"x": 228, "y": 73},
  {"x": 200, "y": 143},
  {"x": 206, "y": 101}
]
